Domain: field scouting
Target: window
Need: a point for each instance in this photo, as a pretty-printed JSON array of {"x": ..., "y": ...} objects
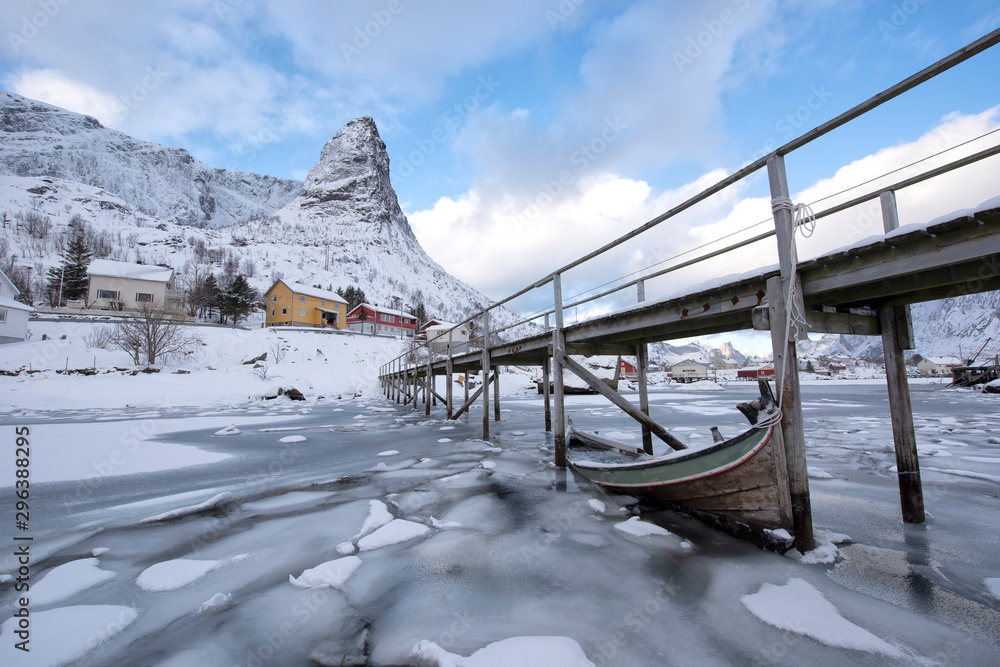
[
  {"x": 302, "y": 312},
  {"x": 386, "y": 317},
  {"x": 142, "y": 297},
  {"x": 284, "y": 311},
  {"x": 272, "y": 312},
  {"x": 274, "y": 298},
  {"x": 3, "y": 315},
  {"x": 107, "y": 294},
  {"x": 302, "y": 298}
]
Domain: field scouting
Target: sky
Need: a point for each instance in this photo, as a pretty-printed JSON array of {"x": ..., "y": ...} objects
[{"x": 527, "y": 133}]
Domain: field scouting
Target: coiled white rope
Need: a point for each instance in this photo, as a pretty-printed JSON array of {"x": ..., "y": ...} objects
[{"x": 805, "y": 222}]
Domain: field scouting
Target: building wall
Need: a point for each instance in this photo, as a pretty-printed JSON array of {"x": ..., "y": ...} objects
[
  {"x": 300, "y": 310},
  {"x": 127, "y": 289},
  {"x": 14, "y": 328}
]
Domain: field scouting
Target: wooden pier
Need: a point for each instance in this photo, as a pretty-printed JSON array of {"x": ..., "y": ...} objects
[{"x": 863, "y": 290}]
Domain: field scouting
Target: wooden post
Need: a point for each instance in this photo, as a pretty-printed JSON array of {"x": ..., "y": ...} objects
[
  {"x": 486, "y": 375},
  {"x": 546, "y": 380},
  {"x": 448, "y": 390},
  {"x": 496, "y": 395},
  {"x": 558, "y": 351},
  {"x": 642, "y": 360},
  {"x": 465, "y": 385},
  {"x": 428, "y": 396},
  {"x": 416, "y": 384},
  {"x": 786, "y": 368},
  {"x": 897, "y": 335}
]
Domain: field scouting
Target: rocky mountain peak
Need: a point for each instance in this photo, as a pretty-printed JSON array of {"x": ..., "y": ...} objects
[{"x": 349, "y": 188}]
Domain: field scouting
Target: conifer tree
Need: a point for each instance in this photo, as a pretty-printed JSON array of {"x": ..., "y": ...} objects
[
  {"x": 238, "y": 300},
  {"x": 70, "y": 278}
]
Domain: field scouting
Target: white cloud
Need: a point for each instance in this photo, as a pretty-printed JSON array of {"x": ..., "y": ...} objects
[
  {"x": 525, "y": 245},
  {"x": 53, "y": 87}
]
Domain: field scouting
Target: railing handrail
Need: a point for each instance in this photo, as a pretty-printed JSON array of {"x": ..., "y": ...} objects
[{"x": 924, "y": 75}]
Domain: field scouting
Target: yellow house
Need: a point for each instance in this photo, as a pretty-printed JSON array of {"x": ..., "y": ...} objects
[{"x": 292, "y": 304}]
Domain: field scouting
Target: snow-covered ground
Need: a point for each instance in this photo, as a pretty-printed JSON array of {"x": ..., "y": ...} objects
[{"x": 220, "y": 528}]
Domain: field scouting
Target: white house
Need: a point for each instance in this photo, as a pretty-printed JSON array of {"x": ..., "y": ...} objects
[
  {"x": 120, "y": 285},
  {"x": 13, "y": 314},
  {"x": 437, "y": 337},
  {"x": 689, "y": 370},
  {"x": 937, "y": 365}
]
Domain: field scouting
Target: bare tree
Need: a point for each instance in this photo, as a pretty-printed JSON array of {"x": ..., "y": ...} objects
[{"x": 153, "y": 333}]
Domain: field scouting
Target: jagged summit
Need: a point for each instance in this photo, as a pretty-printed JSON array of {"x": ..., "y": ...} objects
[
  {"x": 349, "y": 191},
  {"x": 38, "y": 139}
]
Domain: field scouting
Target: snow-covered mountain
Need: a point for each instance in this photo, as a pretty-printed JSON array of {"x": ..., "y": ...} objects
[
  {"x": 668, "y": 354},
  {"x": 953, "y": 327},
  {"x": 343, "y": 226},
  {"x": 167, "y": 183}
]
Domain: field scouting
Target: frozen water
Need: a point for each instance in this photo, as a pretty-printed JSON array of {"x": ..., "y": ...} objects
[
  {"x": 229, "y": 430},
  {"x": 798, "y": 607},
  {"x": 518, "y": 551},
  {"x": 293, "y": 438},
  {"x": 214, "y": 501}
]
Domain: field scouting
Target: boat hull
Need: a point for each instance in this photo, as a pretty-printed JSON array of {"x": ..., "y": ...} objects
[{"x": 736, "y": 485}]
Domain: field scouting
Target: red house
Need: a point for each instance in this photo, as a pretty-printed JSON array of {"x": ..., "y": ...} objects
[
  {"x": 383, "y": 321},
  {"x": 628, "y": 370},
  {"x": 754, "y": 373}
]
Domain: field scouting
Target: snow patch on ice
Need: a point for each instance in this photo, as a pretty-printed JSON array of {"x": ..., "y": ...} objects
[
  {"x": 67, "y": 580},
  {"x": 489, "y": 465},
  {"x": 597, "y": 506},
  {"x": 173, "y": 574},
  {"x": 445, "y": 440},
  {"x": 394, "y": 532},
  {"x": 819, "y": 473},
  {"x": 798, "y": 607},
  {"x": 346, "y": 548},
  {"x": 332, "y": 573},
  {"x": 293, "y": 438},
  {"x": 389, "y": 452},
  {"x": 72, "y": 632},
  {"x": 826, "y": 551},
  {"x": 212, "y": 502},
  {"x": 639, "y": 528},
  {"x": 218, "y": 602},
  {"x": 520, "y": 651},
  {"x": 993, "y": 586},
  {"x": 229, "y": 430},
  {"x": 378, "y": 516}
]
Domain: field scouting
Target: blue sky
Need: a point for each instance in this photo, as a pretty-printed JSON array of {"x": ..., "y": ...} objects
[{"x": 484, "y": 107}]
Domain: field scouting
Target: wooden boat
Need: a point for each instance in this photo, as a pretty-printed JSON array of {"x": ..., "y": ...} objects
[{"x": 739, "y": 484}]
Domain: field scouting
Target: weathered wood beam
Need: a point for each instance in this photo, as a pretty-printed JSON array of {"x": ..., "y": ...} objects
[
  {"x": 824, "y": 322},
  {"x": 472, "y": 399},
  {"x": 635, "y": 413}
]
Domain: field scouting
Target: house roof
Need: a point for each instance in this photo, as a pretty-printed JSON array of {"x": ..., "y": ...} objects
[
  {"x": 7, "y": 302},
  {"x": 298, "y": 288},
  {"x": 10, "y": 283},
  {"x": 440, "y": 326},
  {"x": 689, "y": 361},
  {"x": 388, "y": 311},
  {"x": 110, "y": 269}
]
